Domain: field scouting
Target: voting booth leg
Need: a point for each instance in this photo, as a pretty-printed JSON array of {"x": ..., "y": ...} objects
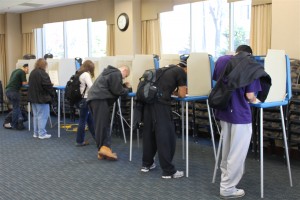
[
  {"x": 187, "y": 137},
  {"x": 131, "y": 129},
  {"x": 217, "y": 158},
  {"x": 182, "y": 128},
  {"x": 261, "y": 151},
  {"x": 121, "y": 118},
  {"x": 50, "y": 121},
  {"x": 211, "y": 130},
  {"x": 28, "y": 108},
  {"x": 112, "y": 118},
  {"x": 286, "y": 147},
  {"x": 261, "y": 154},
  {"x": 64, "y": 110}
]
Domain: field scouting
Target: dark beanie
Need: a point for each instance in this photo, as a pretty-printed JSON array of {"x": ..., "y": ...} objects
[{"x": 182, "y": 63}]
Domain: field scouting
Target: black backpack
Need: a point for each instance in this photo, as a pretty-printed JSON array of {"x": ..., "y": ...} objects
[
  {"x": 72, "y": 91},
  {"x": 147, "y": 90}
]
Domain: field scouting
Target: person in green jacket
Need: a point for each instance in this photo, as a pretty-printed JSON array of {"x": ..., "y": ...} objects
[{"x": 12, "y": 91}]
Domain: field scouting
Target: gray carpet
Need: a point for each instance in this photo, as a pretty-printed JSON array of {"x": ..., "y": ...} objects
[{"x": 54, "y": 168}]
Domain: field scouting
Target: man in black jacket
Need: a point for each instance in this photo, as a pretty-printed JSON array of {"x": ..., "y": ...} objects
[{"x": 104, "y": 92}]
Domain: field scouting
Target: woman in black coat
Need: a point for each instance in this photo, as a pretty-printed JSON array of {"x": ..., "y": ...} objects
[{"x": 40, "y": 93}]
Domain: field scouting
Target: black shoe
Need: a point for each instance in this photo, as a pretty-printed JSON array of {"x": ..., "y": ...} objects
[{"x": 20, "y": 126}]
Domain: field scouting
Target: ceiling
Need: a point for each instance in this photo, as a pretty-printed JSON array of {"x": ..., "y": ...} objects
[{"x": 21, "y": 6}]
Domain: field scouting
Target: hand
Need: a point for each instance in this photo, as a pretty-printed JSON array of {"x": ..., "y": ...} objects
[{"x": 127, "y": 84}]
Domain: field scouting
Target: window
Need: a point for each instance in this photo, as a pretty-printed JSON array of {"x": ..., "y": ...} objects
[
  {"x": 54, "y": 39},
  {"x": 98, "y": 39},
  {"x": 79, "y": 38},
  {"x": 213, "y": 26},
  {"x": 76, "y": 38}
]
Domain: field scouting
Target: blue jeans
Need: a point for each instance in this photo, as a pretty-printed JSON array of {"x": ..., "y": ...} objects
[
  {"x": 14, "y": 99},
  {"x": 84, "y": 117},
  {"x": 41, "y": 112}
]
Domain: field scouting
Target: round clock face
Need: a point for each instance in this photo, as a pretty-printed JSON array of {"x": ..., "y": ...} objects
[{"x": 123, "y": 22}]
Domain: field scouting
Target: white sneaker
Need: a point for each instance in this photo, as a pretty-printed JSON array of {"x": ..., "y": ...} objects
[
  {"x": 35, "y": 135},
  {"x": 7, "y": 125},
  {"x": 46, "y": 136},
  {"x": 237, "y": 193},
  {"x": 177, "y": 174},
  {"x": 147, "y": 169}
]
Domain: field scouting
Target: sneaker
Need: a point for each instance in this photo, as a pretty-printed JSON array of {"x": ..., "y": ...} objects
[
  {"x": 237, "y": 193},
  {"x": 35, "y": 135},
  {"x": 177, "y": 174},
  {"x": 46, "y": 136},
  {"x": 7, "y": 125},
  {"x": 147, "y": 169}
]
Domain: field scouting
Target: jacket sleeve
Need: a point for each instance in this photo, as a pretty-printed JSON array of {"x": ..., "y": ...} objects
[
  {"x": 46, "y": 84},
  {"x": 116, "y": 85}
]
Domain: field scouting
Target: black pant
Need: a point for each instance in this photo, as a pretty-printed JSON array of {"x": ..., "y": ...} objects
[
  {"x": 100, "y": 110},
  {"x": 159, "y": 135}
]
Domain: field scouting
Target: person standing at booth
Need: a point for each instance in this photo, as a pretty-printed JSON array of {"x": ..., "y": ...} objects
[
  {"x": 40, "y": 94},
  {"x": 159, "y": 129},
  {"x": 12, "y": 91},
  {"x": 107, "y": 88},
  {"x": 85, "y": 73},
  {"x": 236, "y": 121}
]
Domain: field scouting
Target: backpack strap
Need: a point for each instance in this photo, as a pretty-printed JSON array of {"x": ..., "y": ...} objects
[
  {"x": 83, "y": 93},
  {"x": 163, "y": 70},
  {"x": 79, "y": 74}
]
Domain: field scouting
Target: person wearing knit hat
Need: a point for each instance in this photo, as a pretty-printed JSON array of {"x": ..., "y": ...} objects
[{"x": 182, "y": 64}]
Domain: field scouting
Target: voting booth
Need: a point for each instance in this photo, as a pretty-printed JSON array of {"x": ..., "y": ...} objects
[
  {"x": 199, "y": 83},
  {"x": 140, "y": 63}
]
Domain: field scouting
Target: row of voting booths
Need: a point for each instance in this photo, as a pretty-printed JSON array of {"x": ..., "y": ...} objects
[{"x": 194, "y": 109}]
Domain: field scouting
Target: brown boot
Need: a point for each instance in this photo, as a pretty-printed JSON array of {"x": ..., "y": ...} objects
[
  {"x": 107, "y": 153},
  {"x": 100, "y": 157}
]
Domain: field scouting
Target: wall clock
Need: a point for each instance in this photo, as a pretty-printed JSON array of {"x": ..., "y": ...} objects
[{"x": 123, "y": 22}]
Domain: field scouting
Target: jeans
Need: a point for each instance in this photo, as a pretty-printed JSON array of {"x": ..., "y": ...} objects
[
  {"x": 41, "y": 112},
  {"x": 14, "y": 99},
  {"x": 84, "y": 117}
]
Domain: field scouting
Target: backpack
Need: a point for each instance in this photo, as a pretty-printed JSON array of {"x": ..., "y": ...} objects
[
  {"x": 72, "y": 91},
  {"x": 147, "y": 90}
]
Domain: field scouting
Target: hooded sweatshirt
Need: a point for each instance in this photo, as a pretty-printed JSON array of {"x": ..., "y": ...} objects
[{"x": 108, "y": 85}]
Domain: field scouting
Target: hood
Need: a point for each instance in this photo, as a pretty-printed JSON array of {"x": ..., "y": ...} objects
[{"x": 109, "y": 69}]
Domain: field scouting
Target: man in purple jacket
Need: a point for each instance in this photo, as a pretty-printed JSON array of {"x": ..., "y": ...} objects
[{"x": 236, "y": 124}]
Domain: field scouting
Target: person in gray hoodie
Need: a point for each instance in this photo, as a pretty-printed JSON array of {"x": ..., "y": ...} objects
[{"x": 107, "y": 88}]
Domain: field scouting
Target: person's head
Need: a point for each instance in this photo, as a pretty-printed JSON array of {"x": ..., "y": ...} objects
[
  {"x": 243, "y": 48},
  {"x": 125, "y": 71},
  {"x": 25, "y": 68},
  {"x": 183, "y": 65},
  {"x": 41, "y": 64},
  {"x": 88, "y": 66}
]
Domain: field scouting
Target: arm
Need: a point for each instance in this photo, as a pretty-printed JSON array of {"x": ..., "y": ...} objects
[
  {"x": 116, "y": 87},
  {"x": 182, "y": 91},
  {"x": 251, "y": 97}
]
